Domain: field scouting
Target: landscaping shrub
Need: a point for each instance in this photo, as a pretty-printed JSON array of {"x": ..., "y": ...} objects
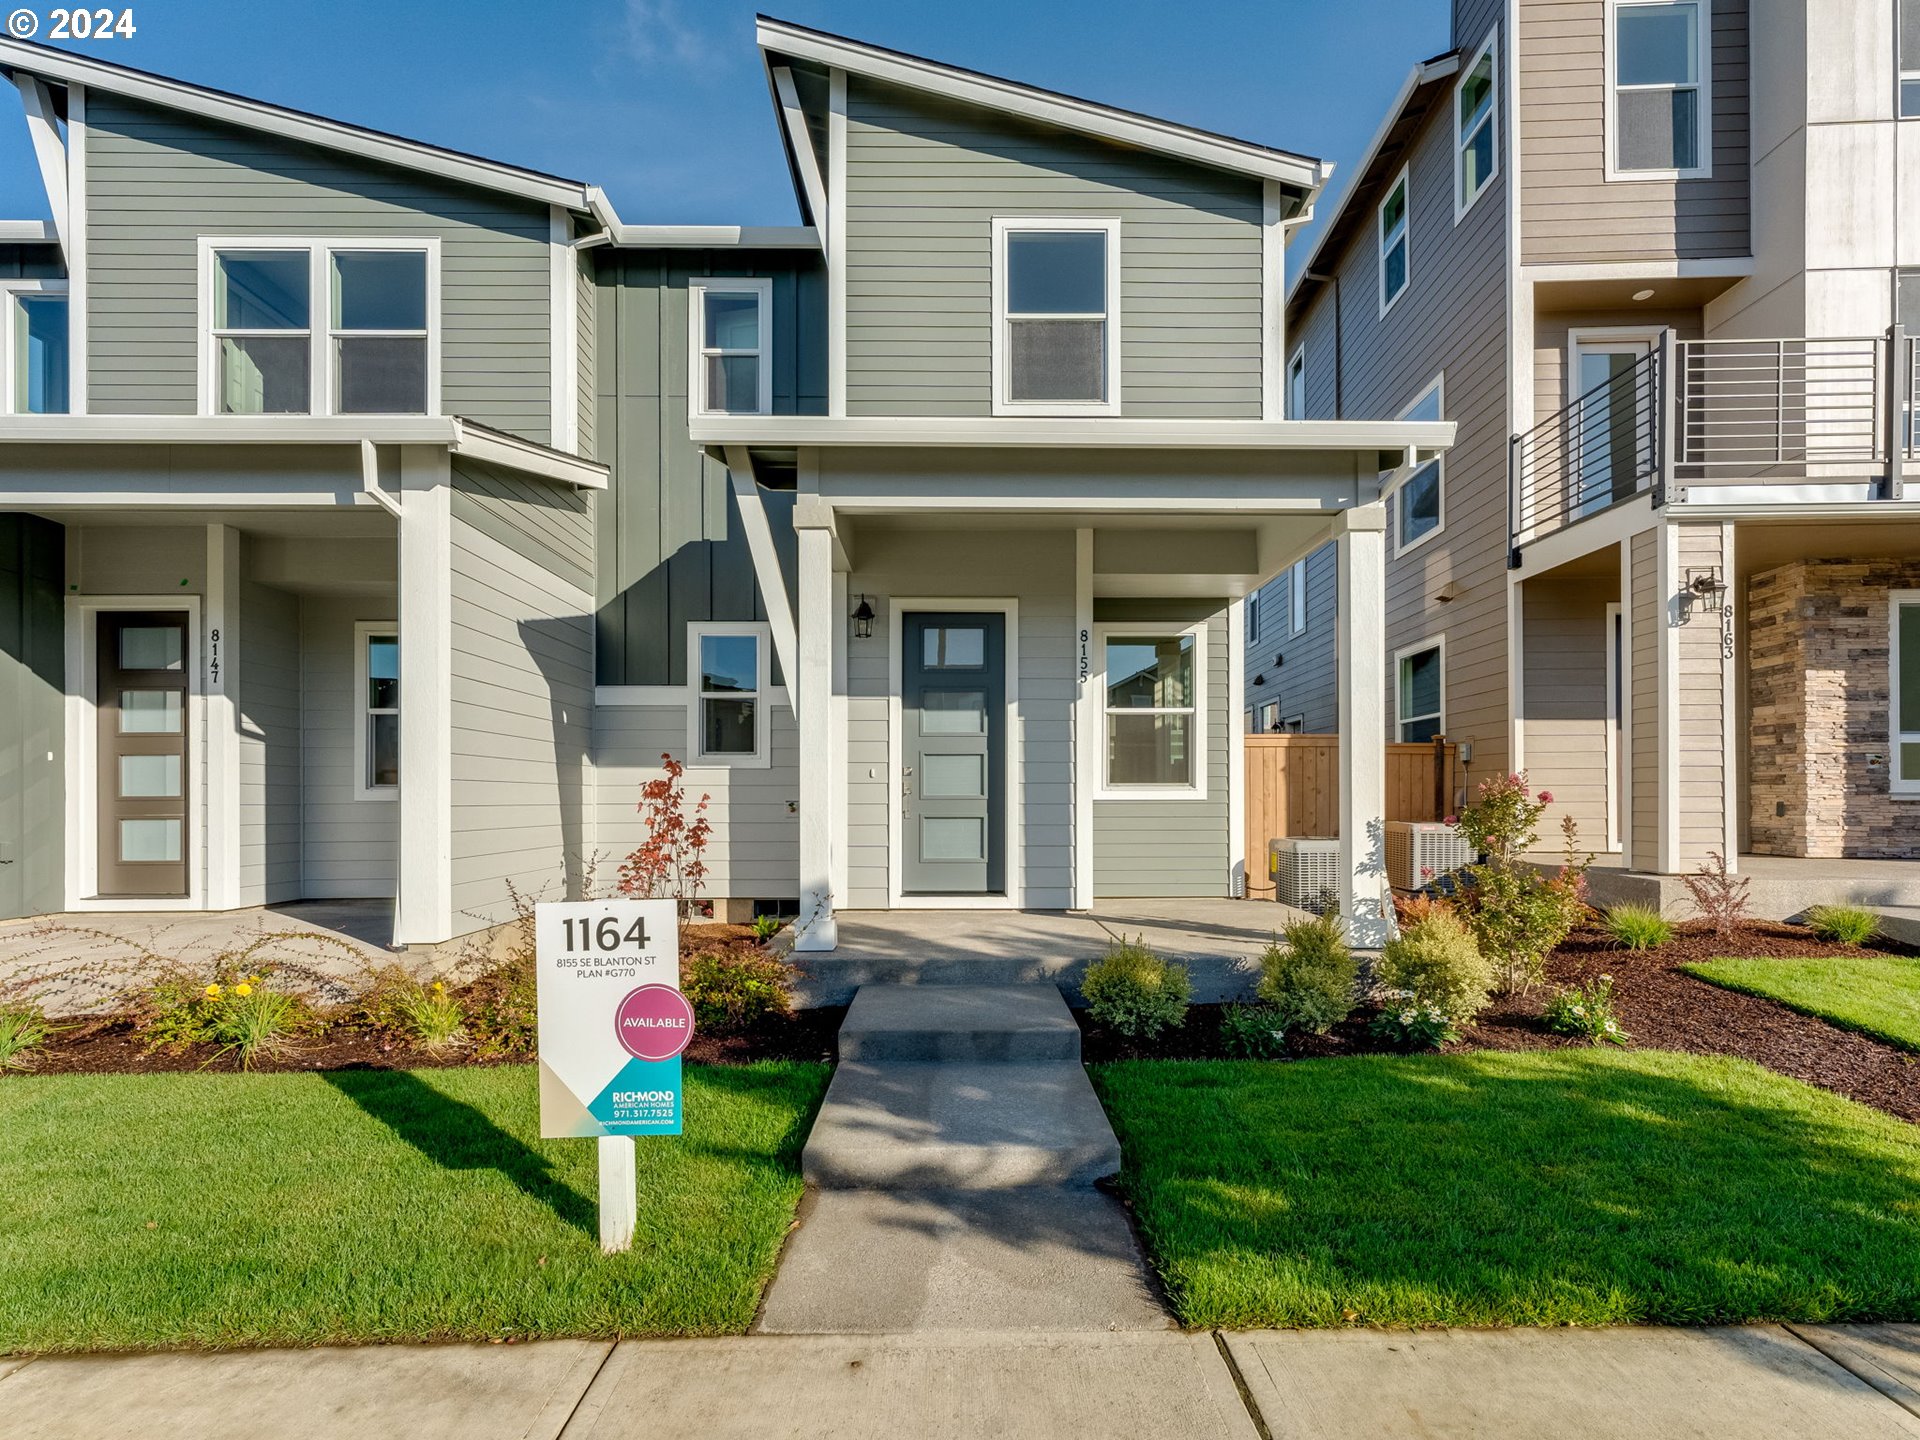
[
  {"x": 23, "y": 1030},
  {"x": 1517, "y": 913},
  {"x": 734, "y": 991},
  {"x": 765, "y": 927},
  {"x": 1307, "y": 978},
  {"x": 1253, "y": 1032},
  {"x": 1586, "y": 1011},
  {"x": 1134, "y": 992},
  {"x": 1638, "y": 927},
  {"x": 1435, "y": 964},
  {"x": 1719, "y": 895},
  {"x": 668, "y": 863},
  {"x": 1844, "y": 924},
  {"x": 1409, "y": 1025},
  {"x": 240, "y": 1013},
  {"x": 501, "y": 1009}
]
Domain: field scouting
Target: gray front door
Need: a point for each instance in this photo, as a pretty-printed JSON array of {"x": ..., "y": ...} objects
[
  {"x": 953, "y": 744},
  {"x": 143, "y": 781}
]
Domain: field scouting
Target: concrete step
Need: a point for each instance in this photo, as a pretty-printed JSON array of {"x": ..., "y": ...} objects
[
  {"x": 907, "y": 1125},
  {"x": 1009, "y": 1023}
]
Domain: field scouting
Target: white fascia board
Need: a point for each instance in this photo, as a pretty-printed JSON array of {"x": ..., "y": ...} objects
[
  {"x": 494, "y": 447},
  {"x": 1422, "y": 74},
  {"x": 68, "y": 69},
  {"x": 718, "y": 237},
  {"x": 1097, "y": 432},
  {"x": 27, "y": 232},
  {"x": 1712, "y": 267},
  {"x": 224, "y": 429},
  {"x": 1241, "y": 157}
]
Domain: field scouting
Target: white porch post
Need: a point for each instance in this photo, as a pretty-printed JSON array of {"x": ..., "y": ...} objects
[
  {"x": 423, "y": 905},
  {"x": 221, "y": 652},
  {"x": 1087, "y": 720},
  {"x": 812, "y": 684},
  {"x": 1360, "y": 542},
  {"x": 1237, "y": 753}
]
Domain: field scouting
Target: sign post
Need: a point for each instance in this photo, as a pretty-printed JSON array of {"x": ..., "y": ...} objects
[{"x": 613, "y": 1024}]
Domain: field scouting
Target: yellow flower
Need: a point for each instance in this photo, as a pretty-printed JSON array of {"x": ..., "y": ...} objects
[
  {"x": 213, "y": 992},
  {"x": 438, "y": 986},
  {"x": 243, "y": 989},
  {"x": 253, "y": 979}
]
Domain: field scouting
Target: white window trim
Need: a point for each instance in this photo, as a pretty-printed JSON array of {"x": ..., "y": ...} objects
[
  {"x": 1168, "y": 629},
  {"x": 1297, "y": 365},
  {"x": 1895, "y": 785},
  {"x": 1436, "y": 387},
  {"x": 1381, "y": 245},
  {"x": 697, "y": 292},
  {"x": 319, "y": 313},
  {"x": 1297, "y": 597},
  {"x": 1703, "y": 42},
  {"x": 363, "y": 631},
  {"x": 1253, "y": 608},
  {"x": 1295, "y": 724},
  {"x": 1003, "y": 225},
  {"x": 697, "y": 758},
  {"x": 10, "y": 292},
  {"x": 1485, "y": 52},
  {"x": 1433, "y": 642}
]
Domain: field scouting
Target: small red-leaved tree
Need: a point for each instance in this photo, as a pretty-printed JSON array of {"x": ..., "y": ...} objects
[{"x": 667, "y": 864}]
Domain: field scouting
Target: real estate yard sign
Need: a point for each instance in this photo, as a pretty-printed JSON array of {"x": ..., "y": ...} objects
[{"x": 612, "y": 1025}]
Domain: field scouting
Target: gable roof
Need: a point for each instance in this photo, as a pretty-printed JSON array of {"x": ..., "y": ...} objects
[
  {"x": 1106, "y": 122},
  {"x": 65, "y": 68}
]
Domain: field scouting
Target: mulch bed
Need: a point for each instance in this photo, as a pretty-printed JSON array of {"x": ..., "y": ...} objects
[{"x": 1656, "y": 1002}]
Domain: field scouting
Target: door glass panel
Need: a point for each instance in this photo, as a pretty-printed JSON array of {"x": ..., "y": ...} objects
[
  {"x": 1149, "y": 750},
  {"x": 149, "y": 712},
  {"x": 953, "y": 777},
  {"x": 151, "y": 647},
  {"x": 149, "y": 840},
  {"x": 953, "y": 712},
  {"x": 953, "y": 838},
  {"x": 149, "y": 777},
  {"x": 954, "y": 648}
]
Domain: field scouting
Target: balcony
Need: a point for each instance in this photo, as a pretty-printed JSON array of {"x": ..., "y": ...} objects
[{"x": 1748, "y": 422}]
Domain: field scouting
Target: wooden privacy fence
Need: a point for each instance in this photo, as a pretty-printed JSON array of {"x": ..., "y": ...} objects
[{"x": 1293, "y": 788}]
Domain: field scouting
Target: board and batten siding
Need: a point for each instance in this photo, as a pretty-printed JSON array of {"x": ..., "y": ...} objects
[
  {"x": 1647, "y": 617},
  {"x": 670, "y": 546},
  {"x": 270, "y": 717},
  {"x": 1563, "y": 701},
  {"x": 1170, "y": 847},
  {"x": 1571, "y": 212},
  {"x": 32, "y": 715},
  {"x": 349, "y": 843},
  {"x": 521, "y": 674},
  {"x": 158, "y": 179},
  {"x": 925, "y": 180},
  {"x": 1302, "y": 671}
]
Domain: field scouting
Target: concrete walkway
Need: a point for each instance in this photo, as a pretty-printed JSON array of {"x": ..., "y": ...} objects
[{"x": 1758, "y": 1383}]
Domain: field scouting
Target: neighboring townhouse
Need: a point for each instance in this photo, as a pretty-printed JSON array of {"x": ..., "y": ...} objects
[
  {"x": 1292, "y": 660},
  {"x": 1657, "y": 260},
  {"x": 379, "y": 515}
]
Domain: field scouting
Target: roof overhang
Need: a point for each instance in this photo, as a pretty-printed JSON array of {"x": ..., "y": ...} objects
[
  {"x": 716, "y": 237},
  {"x": 64, "y": 68},
  {"x": 1087, "y": 117}
]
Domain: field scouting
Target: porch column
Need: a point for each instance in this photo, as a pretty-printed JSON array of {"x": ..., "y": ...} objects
[
  {"x": 812, "y": 685},
  {"x": 423, "y": 900},
  {"x": 222, "y": 652},
  {"x": 1360, "y": 543}
]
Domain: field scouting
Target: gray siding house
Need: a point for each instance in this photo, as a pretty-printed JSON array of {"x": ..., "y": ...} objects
[{"x": 374, "y": 517}]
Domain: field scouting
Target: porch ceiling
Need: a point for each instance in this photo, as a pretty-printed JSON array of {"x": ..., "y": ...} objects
[{"x": 1761, "y": 544}]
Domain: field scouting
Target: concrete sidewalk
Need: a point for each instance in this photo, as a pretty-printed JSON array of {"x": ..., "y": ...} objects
[{"x": 1755, "y": 1382}]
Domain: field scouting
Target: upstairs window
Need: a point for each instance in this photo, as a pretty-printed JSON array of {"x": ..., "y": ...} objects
[
  {"x": 1909, "y": 59},
  {"x": 365, "y": 346},
  {"x": 1656, "y": 102},
  {"x": 1394, "y": 250},
  {"x": 36, "y": 348},
  {"x": 1419, "y": 504},
  {"x": 1297, "y": 385},
  {"x": 1056, "y": 317},
  {"x": 732, "y": 372},
  {"x": 1476, "y": 137}
]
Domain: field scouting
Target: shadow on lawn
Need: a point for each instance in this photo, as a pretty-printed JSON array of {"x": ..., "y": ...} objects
[{"x": 456, "y": 1136}]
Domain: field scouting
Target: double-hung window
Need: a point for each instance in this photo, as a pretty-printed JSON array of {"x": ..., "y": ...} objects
[
  {"x": 1420, "y": 693},
  {"x": 1056, "y": 323},
  {"x": 1476, "y": 133},
  {"x": 1395, "y": 272},
  {"x": 377, "y": 693},
  {"x": 729, "y": 676},
  {"x": 1904, "y": 689},
  {"x": 345, "y": 327},
  {"x": 1154, "y": 735},
  {"x": 1657, "y": 111},
  {"x": 36, "y": 347},
  {"x": 1269, "y": 718},
  {"x": 1909, "y": 45},
  {"x": 732, "y": 369},
  {"x": 1297, "y": 385},
  {"x": 1419, "y": 505}
]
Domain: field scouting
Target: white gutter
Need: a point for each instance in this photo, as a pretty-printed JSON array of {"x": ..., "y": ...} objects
[{"x": 1424, "y": 437}]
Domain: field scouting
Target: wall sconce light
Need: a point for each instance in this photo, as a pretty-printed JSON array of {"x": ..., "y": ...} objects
[
  {"x": 863, "y": 620},
  {"x": 1706, "y": 586},
  {"x": 1259, "y": 679}
]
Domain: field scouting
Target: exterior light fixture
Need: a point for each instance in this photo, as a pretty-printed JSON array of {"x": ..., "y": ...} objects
[
  {"x": 863, "y": 620},
  {"x": 1643, "y": 294}
]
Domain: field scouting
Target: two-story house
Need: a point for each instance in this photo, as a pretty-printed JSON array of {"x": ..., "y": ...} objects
[
  {"x": 379, "y": 515},
  {"x": 1656, "y": 259}
]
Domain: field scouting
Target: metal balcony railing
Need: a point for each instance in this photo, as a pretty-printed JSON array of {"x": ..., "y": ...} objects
[{"x": 1746, "y": 412}]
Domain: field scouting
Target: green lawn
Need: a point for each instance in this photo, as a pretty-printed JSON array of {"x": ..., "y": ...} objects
[
  {"x": 207, "y": 1210},
  {"x": 1878, "y": 995},
  {"x": 1545, "y": 1188}
]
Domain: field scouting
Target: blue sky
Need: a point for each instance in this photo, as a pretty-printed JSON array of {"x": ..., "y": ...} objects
[{"x": 662, "y": 103}]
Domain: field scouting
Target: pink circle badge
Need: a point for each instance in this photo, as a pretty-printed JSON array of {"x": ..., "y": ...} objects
[{"x": 654, "y": 1022}]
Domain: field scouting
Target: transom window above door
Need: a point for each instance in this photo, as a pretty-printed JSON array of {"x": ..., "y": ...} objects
[
  {"x": 1056, "y": 317},
  {"x": 320, "y": 327}
]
